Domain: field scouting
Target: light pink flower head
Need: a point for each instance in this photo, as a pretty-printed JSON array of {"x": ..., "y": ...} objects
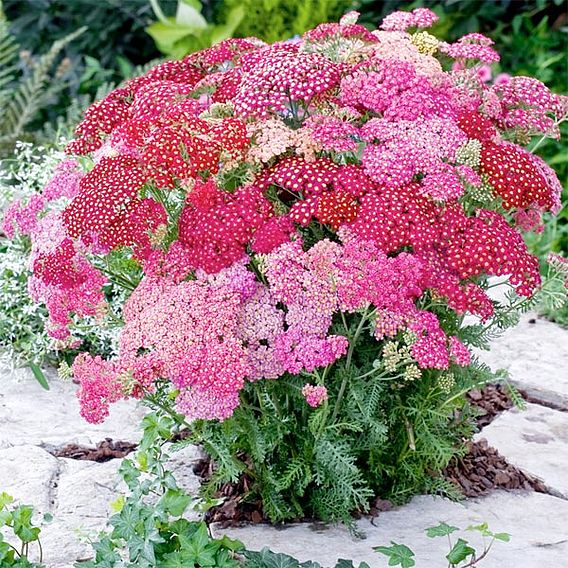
[{"x": 314, "y": 395}]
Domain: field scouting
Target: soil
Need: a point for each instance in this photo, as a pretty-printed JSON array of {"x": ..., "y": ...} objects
[
  {"x": 483, "y": 469},
  {"x": 237, "y": 507},
  {"x": 490, "y": 402},
  {"x": 103, "y": 452}
]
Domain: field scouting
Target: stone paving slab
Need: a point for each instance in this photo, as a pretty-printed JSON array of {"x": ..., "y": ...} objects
[
  {"x": 536, "y": 522},
  {"x": 32, "y": 415},
  {"x": 77, "y": 493},
  {"x": 534, "y": 440},
  {"x": 536, "y": 355},
  {"x": 29, "y": 474},
  {"x": 84, "y": 494}
]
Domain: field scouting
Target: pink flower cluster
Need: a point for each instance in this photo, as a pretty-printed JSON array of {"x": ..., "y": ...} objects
[
  {"x": 401, "y": 21},
  {"x": 315, "y": 395},
  {"x": 265, "y": 191}
]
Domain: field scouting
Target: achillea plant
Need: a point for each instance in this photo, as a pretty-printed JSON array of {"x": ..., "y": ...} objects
[{"x": 301, "y": 228}]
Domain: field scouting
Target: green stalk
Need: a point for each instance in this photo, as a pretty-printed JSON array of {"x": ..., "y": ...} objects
[
  {"x": 177, "y": 418},
  {"x": 352, "y": 345}
]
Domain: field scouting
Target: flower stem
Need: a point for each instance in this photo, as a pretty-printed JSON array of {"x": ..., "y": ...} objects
[{"x": 346, "y": 377}]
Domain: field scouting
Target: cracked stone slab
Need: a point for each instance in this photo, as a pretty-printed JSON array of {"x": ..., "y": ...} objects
[
  {"x": 537, "y": 524},
  {"x": 85, "y": 492},
  {"x": 31, "y": 415},
  {"x": 181, "y": 463},
  {"x": 536, "y": 355},
  {"x": 534, "y": 440},
  {"x": 30, "y": 475},
  {"x": 76, "y": 493}
]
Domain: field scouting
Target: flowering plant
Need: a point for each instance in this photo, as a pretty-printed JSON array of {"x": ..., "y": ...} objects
[{"x": 302, "y": 228}]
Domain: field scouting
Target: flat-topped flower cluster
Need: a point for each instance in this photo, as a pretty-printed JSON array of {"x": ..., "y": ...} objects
[{"x": 267, "y": 192}]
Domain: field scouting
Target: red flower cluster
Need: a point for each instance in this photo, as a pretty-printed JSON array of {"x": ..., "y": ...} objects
[
  {"x": 215, "y": 226},
  {"x": 321, "y": 189},
  {"x": 511, "y": 172},
  {"x": 107, "y": 212}
]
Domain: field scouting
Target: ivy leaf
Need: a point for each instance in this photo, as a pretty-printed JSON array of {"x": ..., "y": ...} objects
[
  {"x": 460, "y": 551},
  {"x": 5, "y": 499},
  {"x": 22, "y": 518},
  {"x": 175, "y": 502},
  {"x": 224, "y": 559},
  {"x": 309, "y": 564},
  {"x": 176, "y": 560},
  {"x": 106, "y": 554},
  {"x": 5, "y": 517},
  {"x": 268, "y": 559},
  {"x": 231, "y": 544},
  {"x": 6, "y": 553},
  {"x": 200, "y": 548},
  {"x": 483, "y": 528},
  {"x": 442, "y": 529},
  {"x": 118, "y": 504},
  {"x": 398, "y": 554},
  {"x": 129, "y": 473}
]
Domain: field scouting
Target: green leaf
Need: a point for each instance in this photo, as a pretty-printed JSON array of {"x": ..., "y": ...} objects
[
  {"x": 167, "y": 35},
  {"x": 503, "y": 537},
  {"x": 231, "y": 544},
  {"x": 189, "y": 14},
  {"x": 398, "y": 554},
  {"x": 6, "y": 553},
  {"x": 198, "y": 548},
  {"x": 5, "y": 499},
  {"x": 22, "y": 518},
  {"x": 176, "y": 560},
  {"x": 442, "y": 529},
  {"x": 38, "y": 374},
  {"x": 175, "y": 502},
  {"x": 268, "y": 559},
  {"x": 460, "y": 551},
  {"x": 118, "y": 504},
  {"x": 226, "y": 30},
  {"x": 5, "y": 517}
]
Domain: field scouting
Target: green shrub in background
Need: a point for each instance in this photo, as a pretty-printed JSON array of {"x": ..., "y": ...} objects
[
  {"x": 28, "y": 84},
  {"x": 196, "y": 25},
  {"x": 273, "y": 20},
  {"x": 115, "y": 36},
  {"x": 189, "y": 30}
]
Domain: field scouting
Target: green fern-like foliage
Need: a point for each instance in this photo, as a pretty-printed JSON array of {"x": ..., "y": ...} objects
[
  {"x": 24, "y": 94},
  {"x": 8, "y": 56}
]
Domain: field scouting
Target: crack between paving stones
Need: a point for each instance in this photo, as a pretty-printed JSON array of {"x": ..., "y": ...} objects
[
  {"x": 540, "y": 402},
  {"x": 554, "y": 493},
  {"x": 550, "y": 544},
  {"x": 53, "y": 487}
]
